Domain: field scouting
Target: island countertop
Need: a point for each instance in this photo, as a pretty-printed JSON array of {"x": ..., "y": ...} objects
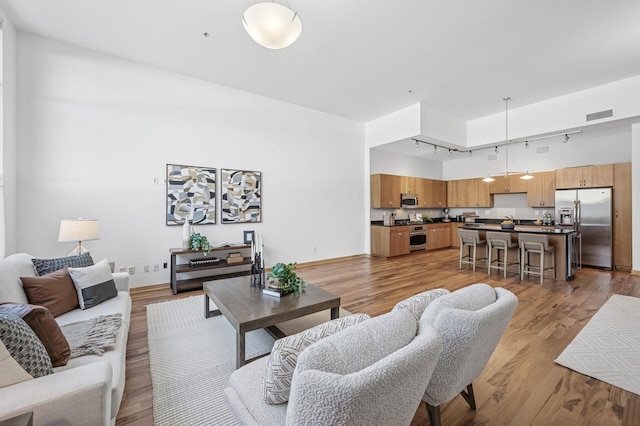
[{"x": 531, "y": 229}]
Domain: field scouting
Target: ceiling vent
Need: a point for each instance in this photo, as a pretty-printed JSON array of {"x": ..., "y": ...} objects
[
  {"x": 600, "y": 115},
  {"x": 542, "y": 149},
  {"x": 492, "y": 157}
]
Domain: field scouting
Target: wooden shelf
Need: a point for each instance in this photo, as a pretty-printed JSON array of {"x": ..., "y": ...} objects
[{"x": 178, "y": 285}]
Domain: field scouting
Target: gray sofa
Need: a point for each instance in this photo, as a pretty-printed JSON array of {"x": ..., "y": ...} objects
[{"x": 86, "y": 391}]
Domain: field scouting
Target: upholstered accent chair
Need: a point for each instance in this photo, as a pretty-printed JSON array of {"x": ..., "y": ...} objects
[{"x": 470, "y": 322}]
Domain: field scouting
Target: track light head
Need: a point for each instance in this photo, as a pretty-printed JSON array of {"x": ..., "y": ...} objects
[
  {"x": 417, "y": 144},
  {"x": 449, "y": 154},
  {"x": 470, "y": 153},
  {"x": 495, "y": 149},
  {"x": 435, "y": 148},
  {"x": 566, "y": 138},
  {"x": 526, "y": 144}
]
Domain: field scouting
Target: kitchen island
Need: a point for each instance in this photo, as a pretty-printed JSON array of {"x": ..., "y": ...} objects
[{"x": 562, "y": 239}]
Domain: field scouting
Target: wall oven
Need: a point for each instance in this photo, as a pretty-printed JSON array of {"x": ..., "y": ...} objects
[{"x": 417, "y": 237}]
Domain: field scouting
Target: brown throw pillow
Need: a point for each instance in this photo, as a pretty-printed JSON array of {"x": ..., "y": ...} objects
[
  {"x": 45, "y": 327},
  {"x": 55, "y": 291}
]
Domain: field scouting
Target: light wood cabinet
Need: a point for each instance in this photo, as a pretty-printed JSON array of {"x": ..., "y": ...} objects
[
  {"x": 432, "y": 193},
  {"x": 468, "y": 193},
  {"x": 438, "y": 236},
  {"x": 455, "y": 240},
  {"x": 541, "y": 190},
  {"x": 622, "y": 243},
  {"x": 510, "y": 184},
  {"x": 585, "y": 177},
  {"x": 408, "y": 185},
  {"x": 385, "y": 191},
  {"x": 389, "y": 241}
]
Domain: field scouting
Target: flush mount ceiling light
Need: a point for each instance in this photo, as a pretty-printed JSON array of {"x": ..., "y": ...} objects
[{"x": 272, "y": 25}]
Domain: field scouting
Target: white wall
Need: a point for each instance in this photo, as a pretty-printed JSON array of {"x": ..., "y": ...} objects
[{"x": 95, "y": 131}]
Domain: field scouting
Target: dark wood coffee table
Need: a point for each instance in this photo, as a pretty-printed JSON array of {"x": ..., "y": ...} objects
[{"x": 247, "y": 309}]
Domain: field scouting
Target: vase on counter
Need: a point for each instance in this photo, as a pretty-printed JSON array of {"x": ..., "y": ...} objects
[{"x": 187, "y": 230}]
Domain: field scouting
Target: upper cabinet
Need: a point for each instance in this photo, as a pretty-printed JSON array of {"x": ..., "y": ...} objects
[
  {"x": 541, "y": 189},
  {"x": 468, "y": 193},
  {"x": 585, "y": 177},
  {"x": 409, "y": 185},
  {"x": 508, "y": 184},
  {"x": 431, "y": 193},
  {"x": 385, "y": 191}
]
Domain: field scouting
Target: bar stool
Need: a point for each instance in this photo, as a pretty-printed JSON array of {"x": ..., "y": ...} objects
[
  {"x": 539, "y": 244},
  {"x": 501, "y": 241},
  {"x": 471, "y": 240}
]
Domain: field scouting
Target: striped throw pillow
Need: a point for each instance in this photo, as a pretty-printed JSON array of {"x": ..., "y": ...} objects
[{"x": 94, "y": 284}]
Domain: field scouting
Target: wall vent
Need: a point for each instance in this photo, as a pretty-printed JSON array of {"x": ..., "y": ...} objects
[
  {"x": 492, "y": 157},
  {"x": 542, "y": 149},
  {"x": 599, "y": 115}
]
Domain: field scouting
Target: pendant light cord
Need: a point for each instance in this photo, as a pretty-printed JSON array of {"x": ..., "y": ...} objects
[{"x": 506, "y": 135}]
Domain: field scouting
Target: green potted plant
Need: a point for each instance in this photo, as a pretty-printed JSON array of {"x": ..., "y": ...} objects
[
  {"x": 200, "y": 242},
  {"x": 283, "y": 276}
]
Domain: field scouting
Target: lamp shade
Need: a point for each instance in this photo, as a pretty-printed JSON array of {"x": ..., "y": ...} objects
[
  {"x": 78, "y": 230},
  {"x": 272, "y": 25}
]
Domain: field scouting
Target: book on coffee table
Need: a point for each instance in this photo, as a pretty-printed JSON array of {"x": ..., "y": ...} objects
[{"x": 275, "y": 292}]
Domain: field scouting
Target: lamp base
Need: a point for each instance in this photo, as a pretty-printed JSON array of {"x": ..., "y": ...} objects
[{"x": 78, "y": 250}]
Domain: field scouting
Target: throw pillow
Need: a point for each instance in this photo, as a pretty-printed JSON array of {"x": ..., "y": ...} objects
[
  {"x": 40, "y": 320},
  {"x": 417, "y": 304},
  {"x": 47, "y": 266},
  {"x": 284, "y": 355},
  {"x": 94, "y": 284},
  {"x": 55, "y": 291},
  {"x": 24, "y": 348}
]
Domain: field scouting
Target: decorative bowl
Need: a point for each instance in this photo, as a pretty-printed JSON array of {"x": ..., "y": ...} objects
[{"x": 507, "y": 225}]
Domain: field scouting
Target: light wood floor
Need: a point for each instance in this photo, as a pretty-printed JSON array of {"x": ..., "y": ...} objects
[{"x": 521, "y": 385}]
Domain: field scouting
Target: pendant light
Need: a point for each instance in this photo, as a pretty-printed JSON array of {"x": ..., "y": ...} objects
[{"x": 272, "y": 25}]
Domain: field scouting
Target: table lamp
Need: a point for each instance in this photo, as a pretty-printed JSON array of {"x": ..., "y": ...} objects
[{"x": 78, "y": 230}]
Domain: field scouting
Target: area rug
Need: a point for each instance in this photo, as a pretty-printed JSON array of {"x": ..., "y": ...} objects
[
  {"x": 191, "y": 358},
  {"x": 608, "y": 347}
]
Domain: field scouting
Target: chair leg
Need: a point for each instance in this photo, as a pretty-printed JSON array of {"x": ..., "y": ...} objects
[
  {"x": 461, "y": 253},
  {"x": 434, "y": 414},
  {"x": 469, "y": 397},
  {"x": 542, "y": 253},
  {"x": 489, "y": 261},
  {"x": 474, "y": 258}
]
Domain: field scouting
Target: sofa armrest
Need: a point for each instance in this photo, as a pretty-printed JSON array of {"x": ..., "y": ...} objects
[
  {"x": 122, "y": 280},
  {"x": 78, "y": 396}
]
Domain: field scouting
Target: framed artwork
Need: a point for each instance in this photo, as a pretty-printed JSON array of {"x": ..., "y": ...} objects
[
  {"x": 241, "y": 199},
  {"x": 249, "y": 236},
  {"x": 191, "y": 194}
]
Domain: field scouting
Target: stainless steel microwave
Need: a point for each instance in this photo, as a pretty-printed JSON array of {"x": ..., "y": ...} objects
[{"x": 409, "y": 201}]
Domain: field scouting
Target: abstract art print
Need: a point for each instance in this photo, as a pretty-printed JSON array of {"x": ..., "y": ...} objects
[
  {"x": 191, "y": 194},
  {"x": 241, "y": 196}
]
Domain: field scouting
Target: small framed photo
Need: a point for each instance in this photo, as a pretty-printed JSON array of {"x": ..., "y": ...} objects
[{"x": 248, "y": 237}]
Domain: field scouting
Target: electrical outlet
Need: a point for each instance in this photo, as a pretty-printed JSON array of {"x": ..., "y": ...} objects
[
  {"x": 156, "y": 267},
  {"x": 132, "y": 270},
  {"x": 123, "y": 269},
  {"x": 145, "y": 268}
]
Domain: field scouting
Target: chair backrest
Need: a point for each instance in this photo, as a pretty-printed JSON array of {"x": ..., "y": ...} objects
[
  {"x": 387, "y": 391},
  {"x": 533, "y": 241},
  {"x": 470, "y": 322},
  {"x": 499, "y": 239},
  {"x": 469, "y": 236}
]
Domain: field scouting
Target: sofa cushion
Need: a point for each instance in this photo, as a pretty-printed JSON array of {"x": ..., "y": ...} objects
[
  {"x": 94, "y": 284},
  {"x": 24, "y": 347},
  {"x": 46, "y": 328},
  {"x": 55, "y": 291},
  {"x": 417, "y": 304},
  {"x": 11, "y": 269},
  {"x": 47, "y": 266},
  {"x": 375, "y": 339},
  {"x": 285, "y": 351}
]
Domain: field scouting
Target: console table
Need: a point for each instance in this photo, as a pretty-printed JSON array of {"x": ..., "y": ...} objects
[{"x": 194, "y": 283}]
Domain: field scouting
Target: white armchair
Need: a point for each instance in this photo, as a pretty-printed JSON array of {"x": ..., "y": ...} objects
[{"x": 470, "y": 322}]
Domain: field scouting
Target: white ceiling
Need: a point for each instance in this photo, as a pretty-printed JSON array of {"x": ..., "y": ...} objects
[{"x": 362, "y": 59}]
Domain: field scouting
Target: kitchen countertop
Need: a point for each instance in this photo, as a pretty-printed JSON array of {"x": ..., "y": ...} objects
[{"x": 535, "y": 229}]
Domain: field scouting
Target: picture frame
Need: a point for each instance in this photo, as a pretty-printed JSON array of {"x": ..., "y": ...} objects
[
  {"x": 249, "y": 237},
  {"x": 190, "y": 195},
  {"x": 241, "y": 196}
]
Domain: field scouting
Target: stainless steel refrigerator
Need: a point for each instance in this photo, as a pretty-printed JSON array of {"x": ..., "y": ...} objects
[{"x": 591, "y": 217}]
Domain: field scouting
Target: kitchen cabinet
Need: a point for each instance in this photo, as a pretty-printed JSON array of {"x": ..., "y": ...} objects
[
  {"x": 385, "y": 191},
  {"x": 622, "y": 244},
  {"x": 468, "y": 193},
  {"x": 432, "y": 193},
  {"x": 408, "y": 185},
  {"x": 455, "y": 240},
  {"x": 585, "y": 177},
  {"x": 438, "y": 236},
  {"x": 510, "y": 184},
  {"x": 389, "y": 241},
  {"x": 541, "y": 190}
]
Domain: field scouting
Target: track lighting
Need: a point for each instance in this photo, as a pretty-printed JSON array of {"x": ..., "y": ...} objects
[
  {"x": 566, "y": 138},
  {"x": 417, "y": 144},
  {"x": 470, "y": 153},
  {"x": 526, "y": 144},
  {"x": 495, "y": 149},
  {"x": 435, "y": 148},
  {"x": 449, "y": 153}
]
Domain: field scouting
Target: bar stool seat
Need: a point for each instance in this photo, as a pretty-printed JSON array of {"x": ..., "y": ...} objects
[
  {"x": 538, "y": 244},
  {"x": 501, "y": 242},
  {"x": 470, "y": 240}
]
